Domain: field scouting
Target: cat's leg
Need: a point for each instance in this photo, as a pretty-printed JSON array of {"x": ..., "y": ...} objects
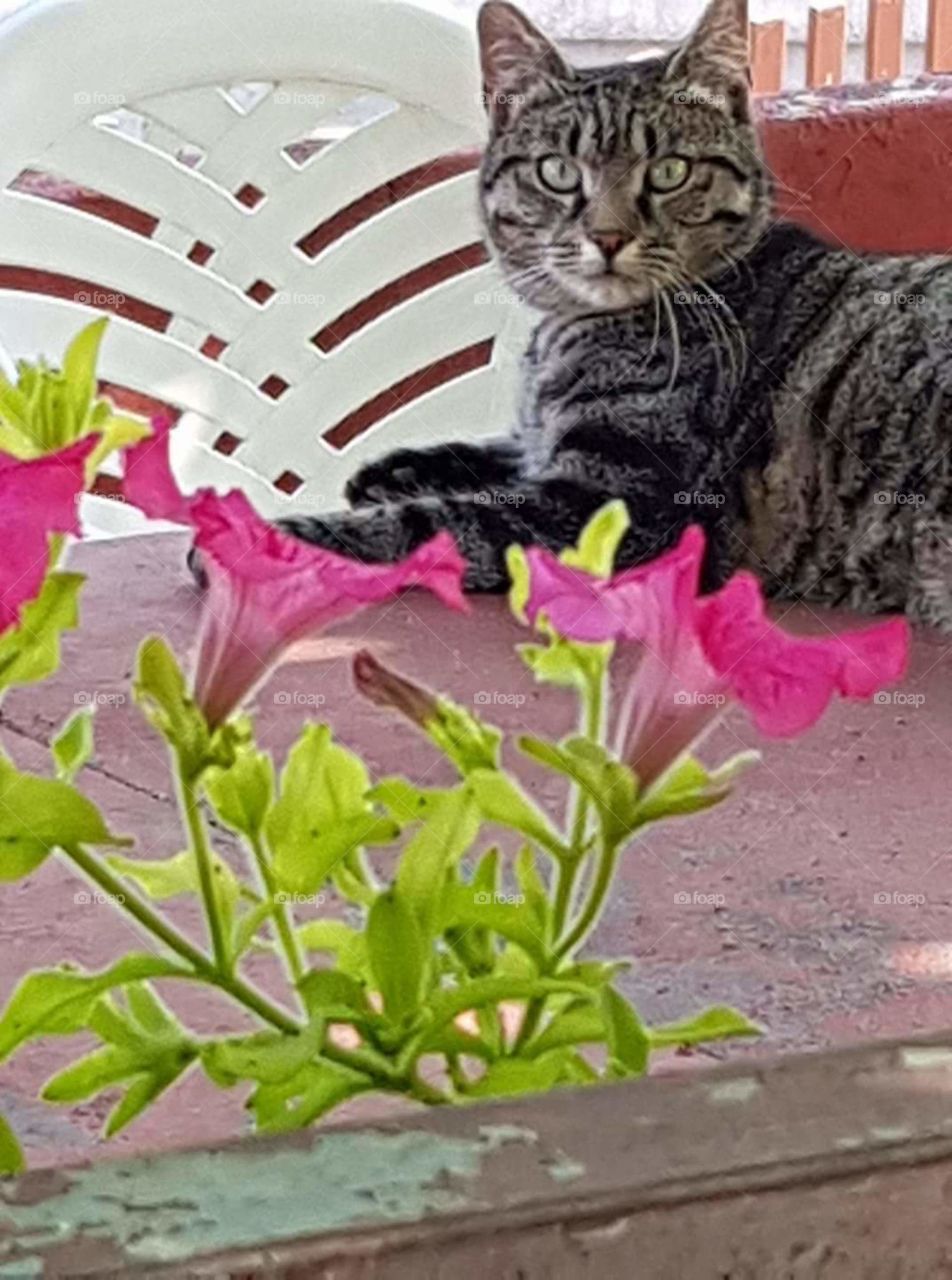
[
  {"x": 464, "y": 467},
  {"x": 550, "y": 512},
  {"x": 480, "y": 470}
]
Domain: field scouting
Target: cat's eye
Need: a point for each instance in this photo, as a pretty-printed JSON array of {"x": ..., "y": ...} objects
[
  {"x": 669, "y": 174},
  {"x": 559, "y": 175}
]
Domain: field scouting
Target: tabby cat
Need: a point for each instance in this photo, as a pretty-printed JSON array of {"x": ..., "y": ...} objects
[{"x": 695, "y": 356}]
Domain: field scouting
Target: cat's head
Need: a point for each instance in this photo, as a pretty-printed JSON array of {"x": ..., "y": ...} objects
[{"x": 601, "y": 187}]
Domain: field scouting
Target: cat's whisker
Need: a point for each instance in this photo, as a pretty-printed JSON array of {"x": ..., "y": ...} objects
[
  {"x": 675, "y": 338},
  {"x": 738, "y": 359}
]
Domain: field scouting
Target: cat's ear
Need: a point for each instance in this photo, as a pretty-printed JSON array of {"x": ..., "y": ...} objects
[
  {"x": 715, "y": 56},
  {"x": 516, "y": 59}
]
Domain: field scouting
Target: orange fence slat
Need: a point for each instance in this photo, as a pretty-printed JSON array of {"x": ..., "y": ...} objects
[
  {"x": 939, "y": 36},
  {"x": 825, "y": 44},
  {"x": 884, "y": 40},
  {"x": 768, "y": 50}
]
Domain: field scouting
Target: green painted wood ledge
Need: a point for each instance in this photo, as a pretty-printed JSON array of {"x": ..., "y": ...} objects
[{"x": 826, "y": 1165}]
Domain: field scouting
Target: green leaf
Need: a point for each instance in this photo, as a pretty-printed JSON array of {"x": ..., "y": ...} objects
[
  {"x": 609, "y": 782},
  {"x": 170, "y": 877},
  {"x": 443, "y": 1006},
  {"x": 503, "y": 801},
  {"x": 38, "y": 815},
  {"x": 346, "y": 944},
  {"x": 580, "y": 1022},
  {"x": 269, "y": 1057},
  {"x": 15, "y": 435},
  {"x": 520, "y": 579},
  {"x": 433, "y": 852},
  {"x": 688, "y": 787},
  {"x": 599, "y": 541},
  {"x": 331, "y": 992},
  {"x": 407, "y": 802},
  {"x": 115, "y": 432},
  {"x": 242, "y": 794},
  {"x": 398, "y": 955},
  {"x": 144, "y": 1047},
  {"x": 299, "y": 1101},
  {"x": 533, "y": 890},
  {"x": 464, "y": 738},
  {"x": 335, "y": 996},
  {"x": 510, "y": 1077},
  {"x": 58, "y": 1002},
  {"x": 11, "y": 1156},
  {"x": 79, "y": 369},
  {"x": 628, "y": 1039},
  {"x": 474, "y": 942},
  {"x": 322, "y": 812},
  {"x": 73, "y": 746},
  {"x": 471, "y": 909},
  {"x": 720, "y": 1022},
  {"x": 596, "y": 973},
  {"x": 161, "y": 691},
  {"x": 30, "y": 651},
  {"x": 246, "y": 926},
  {"x": 567, "y": 663}
]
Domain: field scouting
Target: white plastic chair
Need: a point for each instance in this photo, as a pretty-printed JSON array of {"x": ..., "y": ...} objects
[{"x": 239, "y": 127}]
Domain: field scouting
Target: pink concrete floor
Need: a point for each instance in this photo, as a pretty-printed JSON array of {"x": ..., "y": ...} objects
[{"x": 818, "y": 900}]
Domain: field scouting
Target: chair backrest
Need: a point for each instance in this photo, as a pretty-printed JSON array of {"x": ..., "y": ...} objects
[{"x": 277, "y": 200}]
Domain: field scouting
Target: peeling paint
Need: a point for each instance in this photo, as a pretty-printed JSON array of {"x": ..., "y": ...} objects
[
  {"x": 562, "y": 1168},
  {"x": 182, "y": 1206},
  {"x": 894, "y": 1133},
  {"x": 741, "y": 1090},
  {"x": 930, "y": 1058},
  {"x": 498, "y": 1135},
  {"x": 850, "y": 1143},
  {"x": 22, "y": 1269}
]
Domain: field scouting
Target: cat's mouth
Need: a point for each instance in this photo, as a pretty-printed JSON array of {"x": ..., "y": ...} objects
[{"x": 611, "y": 289}]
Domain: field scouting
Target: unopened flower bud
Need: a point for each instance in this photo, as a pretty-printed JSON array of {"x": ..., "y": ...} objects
[{"x": 389, "y": 689}]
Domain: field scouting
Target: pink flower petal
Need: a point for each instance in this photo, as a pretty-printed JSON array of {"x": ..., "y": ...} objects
[
  {"x": 266, "y": 588},
  {"x": 632, "y": 605},
  {"x": 697, "y": 650},
  {"x": 148, "y": 482},
  {"x": 37, "y": 497},
  {"x": 873, "y": 657},
  {"x": 785, "y": 681},
  {"x": 570, "y": 598}
]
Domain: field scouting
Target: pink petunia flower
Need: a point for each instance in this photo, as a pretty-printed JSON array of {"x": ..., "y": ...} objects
[
  {"x": 37, "y": 497},
  {"x": 699, "y": 653},
  {"x": 265, "y": 588}
]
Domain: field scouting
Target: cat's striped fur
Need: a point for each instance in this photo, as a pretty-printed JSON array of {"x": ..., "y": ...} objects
[{"x": 695, "y": 357}]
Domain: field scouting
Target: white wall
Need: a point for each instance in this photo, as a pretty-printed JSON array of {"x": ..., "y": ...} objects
[{"x": 668, "y": 19}]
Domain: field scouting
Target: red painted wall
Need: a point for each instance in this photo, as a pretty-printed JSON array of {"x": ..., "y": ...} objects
[{"x": 867, "y": 168}]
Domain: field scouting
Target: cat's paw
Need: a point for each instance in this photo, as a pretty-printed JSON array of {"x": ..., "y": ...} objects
[{"x": 384, "y": 481}]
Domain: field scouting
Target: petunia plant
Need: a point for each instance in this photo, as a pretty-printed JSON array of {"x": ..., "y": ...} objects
[{"x": 454, "y": 962}]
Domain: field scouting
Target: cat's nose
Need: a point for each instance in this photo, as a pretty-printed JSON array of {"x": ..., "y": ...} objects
[{"x": 609, "y": 242}]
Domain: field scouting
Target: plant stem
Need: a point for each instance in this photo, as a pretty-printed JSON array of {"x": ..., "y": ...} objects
[
  {"x": 363, "y": 1063},
  {"x": 150, "y": 920},
  {"x": 589, "y": 915},
  {"x": 567, "y": 869},
  {"x": 289, "y": 943},
  {"x": 140, "y": 910},
  {"x": 245, "y": 994},
  {"x": 592, "y": 713},
  {"x": 206, "y": 876},
  {"x": 567, "y": 874},
  {"x": 253, "y": 999}
]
